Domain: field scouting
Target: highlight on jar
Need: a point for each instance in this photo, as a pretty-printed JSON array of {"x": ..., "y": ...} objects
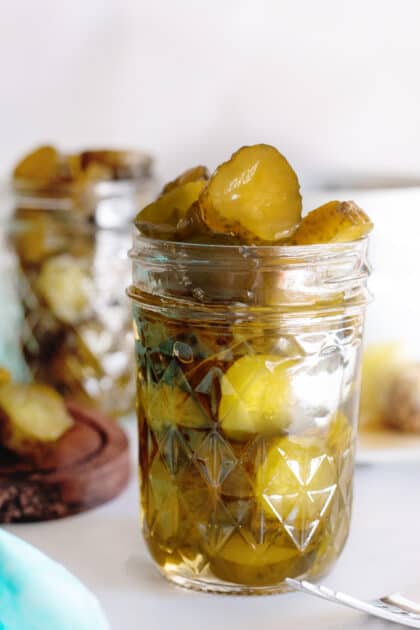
[
  {"x": 248, "y": 317},
  {"x": 70, "y": 230}
]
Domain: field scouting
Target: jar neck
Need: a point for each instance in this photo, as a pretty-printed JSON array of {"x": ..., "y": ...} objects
[{"x": 261, "y": 281}]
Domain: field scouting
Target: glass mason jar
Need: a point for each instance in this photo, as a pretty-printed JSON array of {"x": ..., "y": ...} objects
[
  {"x": 10, "y": 352},
  {"x": 248, "y": 381},
  {"x": 70, "y": 245}
]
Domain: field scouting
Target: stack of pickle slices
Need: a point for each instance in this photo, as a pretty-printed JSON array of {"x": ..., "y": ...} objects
[
  {"x": 234, "y": 489},
  {"x": 46, "y": 169},
  {"x": 254, "y": 198}
]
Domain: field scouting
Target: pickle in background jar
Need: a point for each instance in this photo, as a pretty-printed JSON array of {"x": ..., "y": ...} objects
[{"x": 71, "y": 231}]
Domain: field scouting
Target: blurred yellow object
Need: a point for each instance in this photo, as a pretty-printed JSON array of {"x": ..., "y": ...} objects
[
  {"x": 380, "y": 364},
  {"x": 64, "y": 283},
  {"x": 4, "y": 376},
  {"x": 403, "y": 408},
  {"x": 42, "y": 165}
]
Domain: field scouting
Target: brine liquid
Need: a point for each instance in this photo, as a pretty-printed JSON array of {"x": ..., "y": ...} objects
[{"x": 211, "y": 519}]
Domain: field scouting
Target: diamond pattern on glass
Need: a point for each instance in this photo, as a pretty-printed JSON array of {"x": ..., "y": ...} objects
[
  {"x": 215, "y": 458},
  {"x": 219, "y": 528},
  {"x": 174, "y": 451},
  {"x": 209, "y": 386},
  {"x": 257, "y": 509}
]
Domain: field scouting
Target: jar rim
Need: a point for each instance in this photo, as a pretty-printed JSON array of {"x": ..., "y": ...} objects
[
  {"x": 265, "y": 277},
  {"x": 316, "y": 250}
]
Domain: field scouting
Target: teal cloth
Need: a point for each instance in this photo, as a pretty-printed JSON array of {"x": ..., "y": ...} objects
[{"x": 39, "y": 594}]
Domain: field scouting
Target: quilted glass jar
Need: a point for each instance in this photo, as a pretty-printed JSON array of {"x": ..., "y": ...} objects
[
  {"x": 71, "y": 256},
  {"x": 248, "y": 381}
]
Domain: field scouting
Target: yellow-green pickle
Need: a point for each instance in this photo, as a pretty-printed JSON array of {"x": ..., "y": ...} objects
[{"x": 248, "y": 329}]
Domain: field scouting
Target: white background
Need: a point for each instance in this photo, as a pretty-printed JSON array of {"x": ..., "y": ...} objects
[{"x": 335, "y": 85}]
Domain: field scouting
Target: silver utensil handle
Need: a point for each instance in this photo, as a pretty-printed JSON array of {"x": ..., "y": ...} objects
[
  {"x": 400, "y": 600},
  {"x": 328, "y": 594}
]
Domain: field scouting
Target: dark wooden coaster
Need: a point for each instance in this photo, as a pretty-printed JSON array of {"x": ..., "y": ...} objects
[{"x": 88, "y": 466}]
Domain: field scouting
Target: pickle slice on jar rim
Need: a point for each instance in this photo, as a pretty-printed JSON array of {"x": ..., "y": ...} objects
[
  {"x": 192, "y": 226},
  {"x": 160, "y": 218},
  {"x": 65, "y": 284},
  {"x": 257, "y": 396},
  {"x": 334, "y": 222},
  {"x": 30, "y": 416},
  {"x": 255, "y": 195},
  {"x": 194, "y": 174}
]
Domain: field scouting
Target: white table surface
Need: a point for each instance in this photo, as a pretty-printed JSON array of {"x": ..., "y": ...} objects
[{"x": 104, "y": 549}]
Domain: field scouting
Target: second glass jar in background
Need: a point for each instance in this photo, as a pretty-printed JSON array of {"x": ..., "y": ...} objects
[
  {"x": 71, "y": 246},
  {"x": 248, "y": 381}
]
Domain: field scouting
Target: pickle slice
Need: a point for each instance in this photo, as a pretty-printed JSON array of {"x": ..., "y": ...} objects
[
  {"x": 256, "y": 565},
  {"x": 31, "y": 416},
  {"x": 192, "y": 225},
  {"x": 256, "y": 396},
  {"x": 65, "y": 284},
  {"x": 159, "y": 219},
  {"x": 194, "y": 174},
  {"x": 255, "y": 195},
  {"x": 38, "y": 235},
  {"x": 41, "y": 165},
  {"x": 296, "y": 481},
  {"x": 115, "y": 164},
  {"x": 92, "y": 173},
  {"x": 105, "y": 164},
  {"x": 334, "y": 222},
  {"x": 168, "y": 405}
]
